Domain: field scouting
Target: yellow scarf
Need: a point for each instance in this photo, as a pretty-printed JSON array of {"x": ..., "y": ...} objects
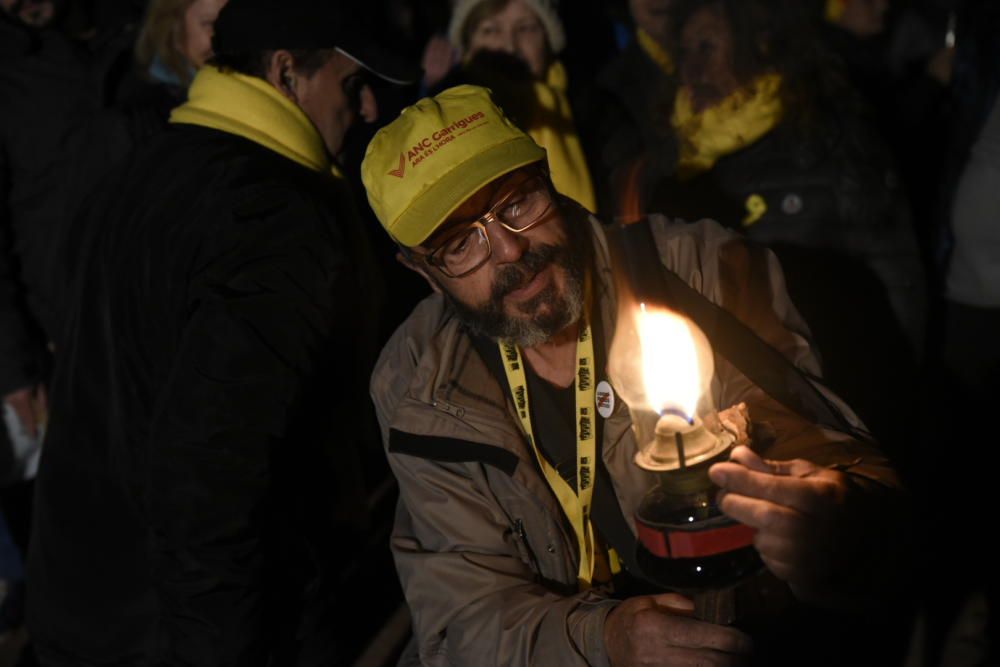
[
  {"x": 552, "y": 128},
  {"x": 734, "y": 123},
  {"x": 251, "y": 108},
  {"x": 655, "y": 51}
]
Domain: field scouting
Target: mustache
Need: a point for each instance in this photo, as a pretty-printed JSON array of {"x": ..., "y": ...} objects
[{"x": 518, "y": 275}]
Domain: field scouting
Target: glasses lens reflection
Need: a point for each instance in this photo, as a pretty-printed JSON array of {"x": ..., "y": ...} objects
[{"x": 519, "y": 210}]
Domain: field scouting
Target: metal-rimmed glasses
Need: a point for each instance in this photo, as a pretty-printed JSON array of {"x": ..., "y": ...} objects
[{"x": 521, "y": 209}]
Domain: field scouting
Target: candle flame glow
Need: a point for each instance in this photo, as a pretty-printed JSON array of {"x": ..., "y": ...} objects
[{"x": 670, "y": 372}]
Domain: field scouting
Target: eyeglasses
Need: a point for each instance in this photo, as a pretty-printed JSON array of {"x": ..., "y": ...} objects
[{"x": 523, "y": 208}]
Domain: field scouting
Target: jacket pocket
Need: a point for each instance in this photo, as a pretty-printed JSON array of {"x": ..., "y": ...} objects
[{"x": 520, "y": 538}]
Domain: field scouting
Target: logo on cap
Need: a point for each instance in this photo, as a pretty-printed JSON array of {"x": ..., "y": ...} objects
[{"x": 398, "y": 171}]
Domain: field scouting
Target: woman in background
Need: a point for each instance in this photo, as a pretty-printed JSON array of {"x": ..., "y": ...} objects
[
  {"x": 772, "y": 142},
  {"x": 625, "y": 120},
  {"x": 510, "y": 46},
  {"x": 175, "y": 40}
]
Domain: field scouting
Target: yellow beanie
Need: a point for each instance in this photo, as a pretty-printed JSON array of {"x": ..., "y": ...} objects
[{"x": 439, "y": 152}]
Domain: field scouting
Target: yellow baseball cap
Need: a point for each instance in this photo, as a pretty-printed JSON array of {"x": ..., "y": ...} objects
[{"x": 422, "y": 166}]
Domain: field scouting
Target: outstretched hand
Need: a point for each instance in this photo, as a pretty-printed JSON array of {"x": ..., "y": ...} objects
[
  {"x": 801, "y": 512},
  {"x": 658, "y": 630}
]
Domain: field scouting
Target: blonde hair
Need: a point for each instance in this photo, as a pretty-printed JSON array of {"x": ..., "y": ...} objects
[{"x": 162, "y": 38}]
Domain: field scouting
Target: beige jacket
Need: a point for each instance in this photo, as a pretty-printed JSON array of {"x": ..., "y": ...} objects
[{"x": 487, "y": 561}]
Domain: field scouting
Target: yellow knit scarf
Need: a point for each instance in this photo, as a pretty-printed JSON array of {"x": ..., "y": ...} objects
[
  {"x": 655, "y": 51},
  {"x": 553, "y": 129},
  {"x": 734, "y": 123},
  {"x": 252, "y": 108}
]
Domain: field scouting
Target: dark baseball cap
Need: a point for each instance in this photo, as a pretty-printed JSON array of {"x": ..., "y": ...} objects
[{"x": 249, "y": 26}]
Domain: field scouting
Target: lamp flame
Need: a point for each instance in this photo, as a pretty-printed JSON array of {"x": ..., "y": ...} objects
[{"x": 670, "y": 372}]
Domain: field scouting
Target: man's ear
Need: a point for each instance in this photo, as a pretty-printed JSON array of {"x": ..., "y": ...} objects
[
  {"x": 418, "y": 268},
  {"x": 281, "y": 73}
]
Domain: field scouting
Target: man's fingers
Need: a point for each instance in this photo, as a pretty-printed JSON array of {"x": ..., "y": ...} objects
[
  {"x": 794, "y": 468},
  {"x": 695, "y": 634},
  {"x": 647, "y": 631},
  {"x": 807, "y": 495},
  {"x": 777, "y": 547},
  {"x": 747, "y": 457},
  {"x": 781, "y": 569},
  {"x": 675, "y": 603},
  {"x": 762, "y": 514}
]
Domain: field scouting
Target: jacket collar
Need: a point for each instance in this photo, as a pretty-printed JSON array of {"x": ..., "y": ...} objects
[{"x": 252, "y": 108}]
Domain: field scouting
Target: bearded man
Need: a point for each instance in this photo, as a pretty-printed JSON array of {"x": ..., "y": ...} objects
[{"x": 478, "y": 397}]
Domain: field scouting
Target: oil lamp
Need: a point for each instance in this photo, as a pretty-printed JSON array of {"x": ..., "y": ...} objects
[{"x": 662, "y": 366}]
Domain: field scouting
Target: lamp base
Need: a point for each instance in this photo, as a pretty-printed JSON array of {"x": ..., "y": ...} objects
[
  {"x": 685, "y": 542},
  {"x": 691, "y": 575}
]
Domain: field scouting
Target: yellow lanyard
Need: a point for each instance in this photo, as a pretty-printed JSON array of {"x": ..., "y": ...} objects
[{"x": 575, "y": 505}]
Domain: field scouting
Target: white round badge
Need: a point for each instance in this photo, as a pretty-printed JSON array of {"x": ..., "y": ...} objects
[{"x": 605, "y": 398}]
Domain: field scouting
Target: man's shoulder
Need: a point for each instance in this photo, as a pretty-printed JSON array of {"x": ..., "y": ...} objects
[
  {"x": 210, "y": 169},
  {"x": 201, "y": 199},
  {"x": 680, "y": 243},
  {"x": 430, "y": 352},
  {"x": 240, "y": 159},
  {"x": 418, "y": 337},
  {"x": 703, "y": 254}
]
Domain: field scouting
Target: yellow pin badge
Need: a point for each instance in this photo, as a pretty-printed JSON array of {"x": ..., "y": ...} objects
[{"x": 756, "y": 208}]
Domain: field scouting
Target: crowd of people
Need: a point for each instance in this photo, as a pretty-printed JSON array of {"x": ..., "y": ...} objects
[{"x": 303, "y": 303}]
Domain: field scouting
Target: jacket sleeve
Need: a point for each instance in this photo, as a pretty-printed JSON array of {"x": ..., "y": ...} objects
[
  {"x": 259, "y": 312},
  {"x": 473, "y": 597}
]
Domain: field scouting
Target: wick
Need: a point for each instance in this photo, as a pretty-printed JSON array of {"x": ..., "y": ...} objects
[{"x": 679, "y": 441}]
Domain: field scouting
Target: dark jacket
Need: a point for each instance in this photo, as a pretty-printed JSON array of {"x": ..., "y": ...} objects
[
  {"x": 624, "y": 117},
  {"x": 197, "y": 498},
  {"x": 57, "y": 140},
  {"x": 43, "y": 83}
]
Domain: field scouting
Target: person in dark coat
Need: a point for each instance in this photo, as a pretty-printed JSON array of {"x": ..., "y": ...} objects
[
  {"x": 143, "y": 78},
  {"x": 198, "y": 495},
  {"x": 49, "y": 79},
  {"x": 42, "y": 82},
  {"x": 771, "y": 142},
  {"x": 625, "y": 121}
]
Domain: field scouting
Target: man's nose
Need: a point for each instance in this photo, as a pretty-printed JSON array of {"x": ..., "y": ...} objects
[
  {"x": 369, "y": 106},
  {"x": 507, "y": 246}
]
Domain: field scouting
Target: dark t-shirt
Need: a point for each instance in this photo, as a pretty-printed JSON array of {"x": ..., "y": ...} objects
[{"x": 553, "y": 420}]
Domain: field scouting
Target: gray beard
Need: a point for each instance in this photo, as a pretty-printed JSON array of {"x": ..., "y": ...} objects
[{"x": 558, "y": 310}]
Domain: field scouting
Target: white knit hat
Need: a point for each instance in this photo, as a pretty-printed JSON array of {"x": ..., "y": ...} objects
[{"x": 547, "y": 11}]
